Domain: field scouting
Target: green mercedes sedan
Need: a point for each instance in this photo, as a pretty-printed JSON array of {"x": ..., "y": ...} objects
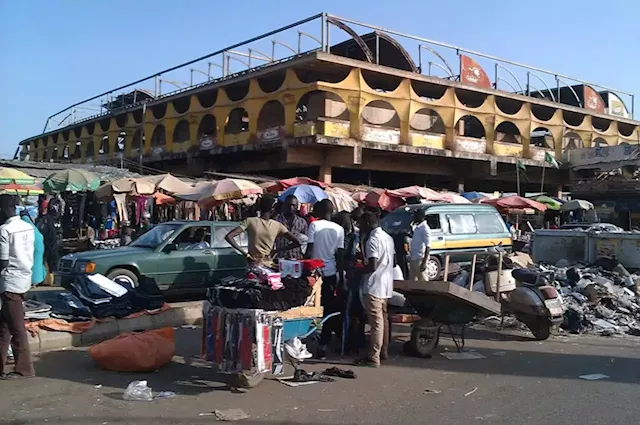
[{"x": 182, "y": 256}]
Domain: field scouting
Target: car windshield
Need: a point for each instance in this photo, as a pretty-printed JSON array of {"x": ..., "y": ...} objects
[{"x": 156, "y": 236}]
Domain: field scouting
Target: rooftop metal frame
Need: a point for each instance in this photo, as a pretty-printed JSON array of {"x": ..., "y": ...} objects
[{"x": 325, "y": 22}]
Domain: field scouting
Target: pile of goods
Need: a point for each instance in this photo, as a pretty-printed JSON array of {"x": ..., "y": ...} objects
[{"x": 267, "y": 289}]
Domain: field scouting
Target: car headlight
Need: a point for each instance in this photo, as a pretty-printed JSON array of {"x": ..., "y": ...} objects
[{"x": 85, "y": 267}]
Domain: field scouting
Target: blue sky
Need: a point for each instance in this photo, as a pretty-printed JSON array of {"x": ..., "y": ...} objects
[{"x": 55, "y": 53}]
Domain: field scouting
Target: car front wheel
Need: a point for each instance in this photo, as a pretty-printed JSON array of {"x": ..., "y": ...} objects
[{"x": 124, "y": 275}]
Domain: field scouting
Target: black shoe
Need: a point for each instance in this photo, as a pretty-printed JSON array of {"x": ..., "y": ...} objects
[{"x": 322, "y": 352}]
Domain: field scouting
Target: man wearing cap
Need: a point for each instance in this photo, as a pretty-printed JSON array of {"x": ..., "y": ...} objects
[{"x": 420, "y": 247}]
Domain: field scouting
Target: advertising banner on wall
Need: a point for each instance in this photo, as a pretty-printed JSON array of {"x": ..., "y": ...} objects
[
  {"x": 472, "y": 73},
  {"x": 592, "y": 100}
]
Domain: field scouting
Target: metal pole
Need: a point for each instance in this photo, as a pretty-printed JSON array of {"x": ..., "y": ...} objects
[
  {"x": 528, "y": 84},
  {"x": 155, "y": 89},
  {"x": 299, "y": 42},
  {"x": 273, "y": 49},
  {"x": 633, "y": 103},
  {"x": 518, "y": 177},
  {"x": 496, "y": 76},
  {"x": 322, "y": 24},
  {"x": 208, "y": 71},
  {"x": 328, "y": 37},
  {"x": 191, "y": 78},
  {"x": 142, "y": 135},
  {"x": 420, "y": 58},
  {"x": 429, "y": 74},
  {"x": 558, "y": 88},
  {"x": 377, "y": 49}
]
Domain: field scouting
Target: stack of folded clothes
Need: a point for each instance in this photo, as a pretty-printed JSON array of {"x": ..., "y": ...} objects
[
  {"x": 64, "y": 305},
  {"x": 36, "y": 310},
  {"x": 104, "y": 297}
]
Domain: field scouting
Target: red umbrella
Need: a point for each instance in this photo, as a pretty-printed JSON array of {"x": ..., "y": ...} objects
[
  {"x": 416, "y": 192},
  {"x": 383, "y": 199},
  {"x": 285, "y": 184},
  {"x": 515, "y": 201},
  {"x": 359, "y": 196}
]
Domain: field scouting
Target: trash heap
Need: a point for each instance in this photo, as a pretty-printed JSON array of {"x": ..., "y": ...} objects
[{"x": 601, "y": 299}]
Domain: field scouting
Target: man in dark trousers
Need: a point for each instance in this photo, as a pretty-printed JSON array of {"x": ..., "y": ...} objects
[
  {"x": 16, "y": 261},
  {"x": 326, "y": 242}
]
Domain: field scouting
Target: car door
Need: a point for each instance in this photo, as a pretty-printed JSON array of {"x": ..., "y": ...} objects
[
  {"x": 434, "y": 221},
  {"x": 187, "y": 267},
  {"x": 229, "y": 262}
]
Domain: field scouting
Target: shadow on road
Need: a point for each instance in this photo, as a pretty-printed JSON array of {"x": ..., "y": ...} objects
[{"x": 186, "y": 374}]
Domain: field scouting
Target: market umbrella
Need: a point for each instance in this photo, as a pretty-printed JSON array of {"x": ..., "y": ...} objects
[
  {"x": 195, "y": 192},
  {"x": 306, "y": 194},
  {"x": 551, "y": 203},
  {"x": 416, "y": 192},
  {"x": 383, "y": 199},
  {"x": 166, "y": 182},
  {"x": 228, "y": 189},
  {"x": 576, "y": 204},
  {"x": 472, "y": 196},
  {"x": 20, "y": 189},
  {"x": 453, "y": 198},
  {"x": 341, "y": 199},
  {"x": 11, "y": 175},
  {"x": 71, "y": 180},
  {"x": 359, "y": 196},
  {"x": 274, "y": 187},
  {"x": 515, "y": 201}
]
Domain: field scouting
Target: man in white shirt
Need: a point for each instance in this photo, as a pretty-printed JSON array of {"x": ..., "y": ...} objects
[
  {"x": 16, "y": 261},
  {"x": 420, "y": 247},
  {"x": 326, "y": 242},
  {"x": 377, "y": 285}
]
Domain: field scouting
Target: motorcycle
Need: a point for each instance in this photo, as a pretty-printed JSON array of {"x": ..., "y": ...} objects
[{"x": 534, "y": 300}]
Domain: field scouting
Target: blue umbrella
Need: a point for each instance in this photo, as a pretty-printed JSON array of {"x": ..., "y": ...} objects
[
  {"x": 472, "y": 196},
  {"x": 305, "y": 194}
]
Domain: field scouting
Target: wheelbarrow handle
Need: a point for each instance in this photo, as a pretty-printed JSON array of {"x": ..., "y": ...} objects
[{"x": 315, "y": 328}]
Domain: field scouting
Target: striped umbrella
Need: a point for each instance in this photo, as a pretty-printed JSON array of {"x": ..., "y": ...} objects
[
  {"x": 229, "y": 189},
  {"x": 11, "y": 175}
]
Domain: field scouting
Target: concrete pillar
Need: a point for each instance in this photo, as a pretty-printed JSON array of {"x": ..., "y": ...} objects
[
  {"x": 559, "y": 192},
  {"x": 461, "y": 128},
  {"x": 325, "y": 174}
]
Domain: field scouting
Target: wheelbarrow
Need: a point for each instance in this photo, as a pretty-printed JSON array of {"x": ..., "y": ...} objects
[{"x": 441, "y": 305}]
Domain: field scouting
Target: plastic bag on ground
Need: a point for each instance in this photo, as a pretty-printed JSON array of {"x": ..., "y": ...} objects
[
  {"x": 138, "y": 391},
  {"x": 136, "y": 352}
]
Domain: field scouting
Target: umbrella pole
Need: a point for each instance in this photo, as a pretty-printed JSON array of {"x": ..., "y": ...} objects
[{"x": 544, "y": 167}]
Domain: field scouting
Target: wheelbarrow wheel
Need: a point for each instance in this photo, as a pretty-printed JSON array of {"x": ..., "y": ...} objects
[
  {"x": 424, "y": 340},
  {"x": 247, "y": 379}
]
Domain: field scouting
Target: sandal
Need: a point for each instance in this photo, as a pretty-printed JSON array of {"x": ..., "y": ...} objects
[
  {"x": 340, "y": 373},
  {"x": 14, "y": 375},
  {"x": 367, "y": 363}
]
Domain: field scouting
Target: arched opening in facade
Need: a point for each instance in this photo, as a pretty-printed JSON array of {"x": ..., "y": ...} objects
[
  {"x": 104, "y": 145},
  {"x": 381, "y": 113},
  {"x": 237, "y": 121},
  {"x": 271, "y": 115},
  {"x": 427, "y": 120},
  {"x": 542, "y": 138},
  {"x": 470, "y": 99},
  {"x": 158, "y": 138},
  {"x": 321, "y": 104},
  {"x": 181, "y": 133},
  {"x": 509, "y": 106},
  {"x": 507, "y": 132},
  {"x": 599, "y": 142},
  {"x": 271, "y": 82},
  {"x": 572, "y": 140},
  {"x": 121, "y": 141},
  {"x": 470, "y": 126},
  {"x": 207, "y": 132}
]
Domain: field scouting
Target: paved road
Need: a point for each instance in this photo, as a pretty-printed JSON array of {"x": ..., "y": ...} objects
[{"x": 519, "y": 382}]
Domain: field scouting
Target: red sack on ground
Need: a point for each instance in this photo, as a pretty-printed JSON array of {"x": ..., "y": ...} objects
[{"x": 136, "y": 352}]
